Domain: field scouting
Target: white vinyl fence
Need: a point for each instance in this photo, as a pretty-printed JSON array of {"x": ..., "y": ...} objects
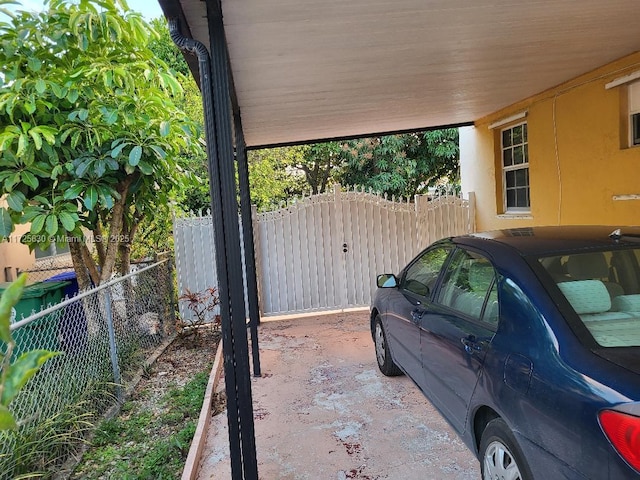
[
  {"x": 324, "y": 252},
  {"x": 195, "y": 260}
]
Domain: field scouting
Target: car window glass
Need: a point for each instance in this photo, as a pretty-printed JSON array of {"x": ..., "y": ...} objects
[
  {"x": 468, "y": 284},
  {"x": 420, "y": 278},
  {"x": 603, "y": 288}
]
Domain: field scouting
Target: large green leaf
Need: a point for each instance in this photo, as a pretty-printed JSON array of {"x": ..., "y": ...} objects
[
  {"x": 30, "y": 179},
  {"x": 41, "y": 86},
  {"x": 145, "y": 168},
  {"x": 7, "y": 421},
  {"x": 51, "y": 225},
  {"x": 21, "y": 371},
  {"x": 16, "y": 200},
  {"x": 68, "y": 223},
  {"x": 37, "y": 224},
  {"x": 115, "y": 152},
  {"x": 6, "y": 224},
  {"x": 73, "y": 192},
  {"x": 135, "y": 155},
  {"x": 90, "y": 197},
  {"x": 9, "y": 298},
  {"x": 34, "y": 64},
  {"x": 37, "y": 139},
  {"x": 165, "y": 128}
]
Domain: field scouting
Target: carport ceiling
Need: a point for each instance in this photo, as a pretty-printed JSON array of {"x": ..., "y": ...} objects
[{"x": 314, "y": 69}]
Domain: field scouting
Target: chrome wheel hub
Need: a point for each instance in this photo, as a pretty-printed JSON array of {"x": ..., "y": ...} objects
[
  {"x": 499, "y": 464},
  {"x": 379, "y": 339}
]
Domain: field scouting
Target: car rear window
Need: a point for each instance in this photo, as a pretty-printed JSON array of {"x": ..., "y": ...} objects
[{"x": 603, "y": 288}]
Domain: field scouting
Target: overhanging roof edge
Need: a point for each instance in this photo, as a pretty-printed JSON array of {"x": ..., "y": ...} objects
[{"x": 364, "y": 135}]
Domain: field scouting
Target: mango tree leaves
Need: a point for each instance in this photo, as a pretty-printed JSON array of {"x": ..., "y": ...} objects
[
  {"x": 6, "y": 224},
  {"x": 9, "y": 298},
  {"x": 74, "y": 121}
]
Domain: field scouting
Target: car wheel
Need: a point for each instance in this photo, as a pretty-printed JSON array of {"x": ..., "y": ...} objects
[
  {"x": 383, "y": 356},
  {"x": 500, "y": 455}
]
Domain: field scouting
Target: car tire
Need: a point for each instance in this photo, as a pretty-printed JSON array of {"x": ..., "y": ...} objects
[
  {"x": 383, "y": 355},
  {"x": 500, "y": 456}
]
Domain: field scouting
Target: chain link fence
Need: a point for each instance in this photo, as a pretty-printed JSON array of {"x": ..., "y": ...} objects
[{"x": 104, "y": 336}]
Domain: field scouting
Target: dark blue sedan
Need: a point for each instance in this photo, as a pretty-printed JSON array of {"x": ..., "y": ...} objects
[{"x": 528, "y": 343}]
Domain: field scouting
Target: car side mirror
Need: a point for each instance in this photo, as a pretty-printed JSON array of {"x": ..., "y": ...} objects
[{"x": 387, "y": 280}]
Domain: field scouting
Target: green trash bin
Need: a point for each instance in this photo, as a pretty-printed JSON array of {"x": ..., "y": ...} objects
[{"x": 41, "y": 334}]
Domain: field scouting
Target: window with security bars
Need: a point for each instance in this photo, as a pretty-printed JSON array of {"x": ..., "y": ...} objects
[{"x": 515, "y": 168}]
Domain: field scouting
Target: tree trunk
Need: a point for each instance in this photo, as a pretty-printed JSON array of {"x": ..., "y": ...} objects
[
  {"x": 82, "y": 273},
  {"x": 98, "y": 242},
  {"x": 128, "y": 232},
  {"x": 115, "y": 230}
]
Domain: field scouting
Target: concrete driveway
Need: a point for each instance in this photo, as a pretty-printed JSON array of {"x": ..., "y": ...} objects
[{"x": 323, "y": 410}]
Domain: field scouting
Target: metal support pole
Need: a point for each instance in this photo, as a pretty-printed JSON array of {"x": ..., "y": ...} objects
[
  {"x": 247, "y": 235},
  {"x": 237, "y": 362},
  {"x": 225, "y": 222},
  {"x": 113, "y": 349}
]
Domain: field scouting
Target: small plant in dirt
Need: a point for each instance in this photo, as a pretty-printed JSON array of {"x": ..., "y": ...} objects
[
  {"x": 202, "y": 305},
  {"x": 144, "y": 442}
]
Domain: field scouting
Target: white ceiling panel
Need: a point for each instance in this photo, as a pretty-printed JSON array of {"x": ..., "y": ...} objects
[{"x": 310, "y": 69}]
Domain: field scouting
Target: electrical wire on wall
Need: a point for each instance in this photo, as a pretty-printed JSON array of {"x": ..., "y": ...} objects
[{"x": 555, "y": 142}]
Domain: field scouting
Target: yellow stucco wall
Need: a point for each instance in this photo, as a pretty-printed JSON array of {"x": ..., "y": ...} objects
[
  {"x": 576, "y": 161},
  {"x": 14, "y": 256}
]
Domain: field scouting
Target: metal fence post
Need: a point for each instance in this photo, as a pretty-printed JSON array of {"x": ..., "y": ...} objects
[
  {"x": 113, "y": 349},
  {"x": 173, "y": 307}
]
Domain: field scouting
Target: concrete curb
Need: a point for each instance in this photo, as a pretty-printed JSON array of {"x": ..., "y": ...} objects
[{"x": 192, "y": 464}]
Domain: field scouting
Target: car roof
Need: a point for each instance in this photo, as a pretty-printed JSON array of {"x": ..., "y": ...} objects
[{"x": 541, "y": 241}]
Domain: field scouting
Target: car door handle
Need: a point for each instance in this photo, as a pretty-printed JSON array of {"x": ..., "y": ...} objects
[
  {"x": 470, "y": 345},
  {"x": 416, "y": 315}
]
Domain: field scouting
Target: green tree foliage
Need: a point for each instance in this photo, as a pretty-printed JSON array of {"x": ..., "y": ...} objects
[
  {"x": 195, "y": 196},
  {"x": 402, "y": 165},
  {"x": 273, "y": 177},
  {"x": 91, "y": 137},
  {"x": 320, "y": 162}
]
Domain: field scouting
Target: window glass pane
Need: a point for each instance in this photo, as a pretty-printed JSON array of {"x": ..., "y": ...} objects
[
  {"x": 492, "y": 310},
  {"x": 603, "y": 289},
  {"x": 62, "y": 247},
  {"x": 521, "y": 198},
  {"x": 511, "y": 198},
  {"x": 635, "y": 134},
  {"x": 43, "y": 253},
  {"x": 467, "y": 281},
  {"x": 506, "y": 138},
  {"x": 521, "y": 177},
  {"x": 517, "y": 135},
  {"x": 507, "y": 158},
  {"x": 518, "y": 155},
  {"x": 421, "y": 277},
  {"x": 510, "y": 178},
  {"x": 525, "y": 135}
]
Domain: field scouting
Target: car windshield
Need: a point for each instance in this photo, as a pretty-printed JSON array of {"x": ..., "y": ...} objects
[{"x": 604, "y": 290}]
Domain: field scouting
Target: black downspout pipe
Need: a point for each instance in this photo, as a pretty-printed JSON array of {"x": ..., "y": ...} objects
[{"x": 229, "y": 268}]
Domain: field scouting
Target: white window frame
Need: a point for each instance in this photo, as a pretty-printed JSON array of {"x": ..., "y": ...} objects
[
  {"x": 50, "y": 253},
  {"x": 515, "y": 167},
  {"x": 634, "y": 113}
]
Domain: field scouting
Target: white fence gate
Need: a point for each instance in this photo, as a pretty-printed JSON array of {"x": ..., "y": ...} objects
[
  {"x": 195, "y": 259},
  {"x": 324, "y": 252}
]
